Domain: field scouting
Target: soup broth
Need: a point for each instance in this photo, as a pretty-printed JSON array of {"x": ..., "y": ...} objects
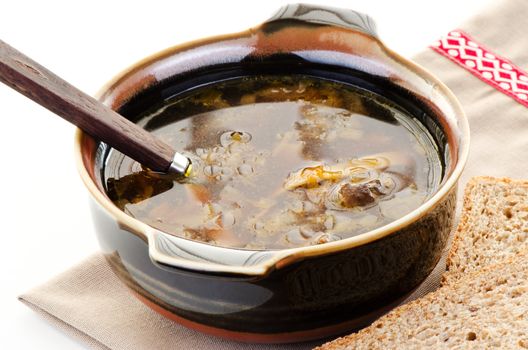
[{"x": 279, "y": 162}]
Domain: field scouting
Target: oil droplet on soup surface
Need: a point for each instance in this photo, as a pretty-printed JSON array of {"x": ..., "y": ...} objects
[{"x": 278, "y": 163}]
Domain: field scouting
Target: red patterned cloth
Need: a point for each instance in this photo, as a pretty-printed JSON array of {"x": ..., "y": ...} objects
[{"x": 487, "y": 65}]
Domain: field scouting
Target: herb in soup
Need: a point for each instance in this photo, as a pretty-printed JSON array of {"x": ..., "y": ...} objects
[{"x": 279, "y": 162}]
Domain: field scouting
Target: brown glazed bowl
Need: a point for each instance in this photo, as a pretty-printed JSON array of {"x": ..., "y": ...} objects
[{"x": 292, "y": 294}]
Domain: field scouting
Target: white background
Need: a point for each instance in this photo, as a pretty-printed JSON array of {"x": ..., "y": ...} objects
[{"x": 46, "y": 223}]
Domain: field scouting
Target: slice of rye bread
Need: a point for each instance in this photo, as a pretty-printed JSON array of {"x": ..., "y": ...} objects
[
  {"x": 484, "y": 309},
  {"x": 493, "y": 225}
]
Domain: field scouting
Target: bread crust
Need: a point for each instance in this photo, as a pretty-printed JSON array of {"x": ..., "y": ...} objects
[{"x": 452, "y": 271}]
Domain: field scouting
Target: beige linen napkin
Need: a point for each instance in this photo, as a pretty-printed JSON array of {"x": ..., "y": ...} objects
[{"x": 89, "y": 302}]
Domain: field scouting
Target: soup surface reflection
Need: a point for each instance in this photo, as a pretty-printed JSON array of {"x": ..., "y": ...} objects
[{"x": 279, "y": 163}]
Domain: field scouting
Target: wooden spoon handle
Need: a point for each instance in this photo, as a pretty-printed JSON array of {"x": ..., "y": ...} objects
[{"x": 47, "y": 89}]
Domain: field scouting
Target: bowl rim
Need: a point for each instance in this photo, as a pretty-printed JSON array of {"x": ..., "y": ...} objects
[{"x": 281, "y": 257}]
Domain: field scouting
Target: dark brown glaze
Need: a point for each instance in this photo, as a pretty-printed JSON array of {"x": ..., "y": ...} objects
[
  {"x": 275, "y": 338},
  {"x": 309, "y": 295},
  {"x": 330, "y": 294}
]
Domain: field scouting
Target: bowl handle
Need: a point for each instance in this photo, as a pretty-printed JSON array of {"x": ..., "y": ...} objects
[
  {"x": 326, "y": 15},
  {"x": 175, "y": 252}
]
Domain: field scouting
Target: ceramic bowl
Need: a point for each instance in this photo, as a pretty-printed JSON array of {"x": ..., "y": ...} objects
[{"x": 292, "y": 294}]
